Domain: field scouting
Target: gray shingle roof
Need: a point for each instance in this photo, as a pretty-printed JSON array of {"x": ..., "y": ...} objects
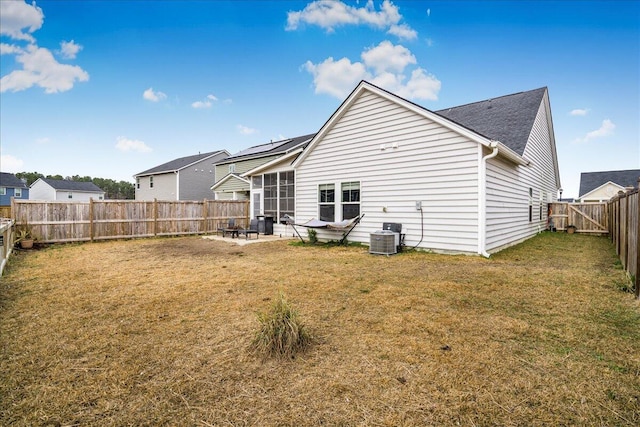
[
  {"x": 67, "y": 185},
  {"x": 507, "y": 119},
  {"x": 589, "y": 181},
  {"x": 11, "y": 181},
  {"x": 270, "y": 148},
  {"x": 182, "y": 162}
]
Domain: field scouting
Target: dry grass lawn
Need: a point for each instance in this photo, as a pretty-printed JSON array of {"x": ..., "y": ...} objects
[{"x": 157, "y": 332}]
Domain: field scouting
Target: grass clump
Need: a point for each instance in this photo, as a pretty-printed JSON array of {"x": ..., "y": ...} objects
[{"x": 282, "y": 334}]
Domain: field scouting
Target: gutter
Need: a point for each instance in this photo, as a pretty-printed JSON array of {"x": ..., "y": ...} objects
[{"x": 482, "y": 196}]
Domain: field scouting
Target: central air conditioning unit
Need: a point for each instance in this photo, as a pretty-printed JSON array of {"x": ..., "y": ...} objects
[{"x": 383, "y": 242}]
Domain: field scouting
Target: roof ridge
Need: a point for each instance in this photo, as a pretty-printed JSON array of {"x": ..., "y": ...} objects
[{"x": 494, "y": 98}]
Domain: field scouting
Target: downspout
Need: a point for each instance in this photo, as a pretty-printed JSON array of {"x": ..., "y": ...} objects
[
  {"x": 177, "y": 173},
  {"x": 482, "y": 211}
]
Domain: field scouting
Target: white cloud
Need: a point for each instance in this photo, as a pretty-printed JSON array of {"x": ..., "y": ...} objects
[
  {"x": 579, "y": 112},
  {"x": 41, "y": 69},
  {"x": 336, "y": 78},
  {"x": 606, "y": 129},
  {"x": 246, "y": 130},
  {"x": 69, "y": 50},
  {"x": 329, "y": 14},
  {"x": 403, "y": 31},
  {"x": 126, "y": 144},
  {"x": 43, "y": 140},
  {"x": 384, "y": 65},
  {"x": 152, "y": 96},
  {"x": 10, "y": 49},
  {"x": 388, "y": 57},
  {"x": 207, "y": 103},
  {"x": 201, "y": 104},
  {"x": 17, "y": 16},
  {"x": 11, "y": 163}
]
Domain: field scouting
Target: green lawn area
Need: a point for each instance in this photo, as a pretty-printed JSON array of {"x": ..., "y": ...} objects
[{"x": 157, "y": 332}]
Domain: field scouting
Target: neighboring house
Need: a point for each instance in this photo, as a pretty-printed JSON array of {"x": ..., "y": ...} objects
[
  {"x": 12, "y": 186},
  {"x": 186, "y": 178},
  {"x": 602, "y": 186},
  {"x": 469, "y": 179},
  {"x": 64, "y": 190},
  {"x": 235, "y": 172}
]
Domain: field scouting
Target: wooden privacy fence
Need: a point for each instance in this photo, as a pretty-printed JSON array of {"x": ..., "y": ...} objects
[
  {"x": 624, "y": 222},
  {"x": 54, "y": 222},
  {"x": 6, "y": 241},
  {"x": 586, "y": 217}
]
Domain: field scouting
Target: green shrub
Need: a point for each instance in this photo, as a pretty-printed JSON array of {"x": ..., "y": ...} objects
[
  {"x": 282, "y": 334},
  {"x": 313, "y": 236}
]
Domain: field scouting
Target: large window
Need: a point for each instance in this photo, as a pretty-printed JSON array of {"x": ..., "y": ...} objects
[
  {"x": 270, "y": 185},
  {"x": 327, "y": 202},
  {"x": 287, "y": 194},
  {"x": 350, "y": 199},
  {"x": 3, "y": 191}
]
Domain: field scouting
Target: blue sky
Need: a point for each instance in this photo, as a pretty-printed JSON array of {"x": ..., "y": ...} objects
[{"x": 109, "y": 89}]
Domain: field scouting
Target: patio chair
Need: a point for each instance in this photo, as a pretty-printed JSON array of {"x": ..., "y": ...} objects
[
  {"x": 253, "y": 229},
  {"x": 230, "y": 228}
]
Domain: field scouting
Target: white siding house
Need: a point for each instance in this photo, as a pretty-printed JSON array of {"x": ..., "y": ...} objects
[
  {"x": 452, "y": 187},
  {"x": 602, "y": 186},
  {"x": 64, "y": 190}
]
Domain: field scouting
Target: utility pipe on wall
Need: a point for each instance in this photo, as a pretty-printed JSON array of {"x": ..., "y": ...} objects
[{"x": 482, "y": 211}]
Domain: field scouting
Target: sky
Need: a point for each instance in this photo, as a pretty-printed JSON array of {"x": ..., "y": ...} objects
[{"x": 109, "y": 89}]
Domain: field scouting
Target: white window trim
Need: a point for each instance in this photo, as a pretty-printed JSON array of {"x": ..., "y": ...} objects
[{"x": 17, "y": 192}]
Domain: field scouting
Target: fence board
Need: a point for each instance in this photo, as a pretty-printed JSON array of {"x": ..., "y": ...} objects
[
  {"x": 624, "y": 232},
  {"x": 54, "y": 222}
]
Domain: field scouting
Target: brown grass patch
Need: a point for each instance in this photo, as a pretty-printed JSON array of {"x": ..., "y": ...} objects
[{"x": 158, "y": 332}]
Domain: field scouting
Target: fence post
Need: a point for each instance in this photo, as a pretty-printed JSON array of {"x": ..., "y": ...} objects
[
  {"x": 155, "y": 217},
  {"x": 205, "y": 214},
  {"x": 637, "y": 276},
  {"x": 91, "y": 219}
]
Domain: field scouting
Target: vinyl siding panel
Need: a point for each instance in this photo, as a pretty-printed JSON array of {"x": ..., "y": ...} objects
[
  {"x": 431, "y": 164},
  {"x": 242, "y": 166},
  {"x": 164, "y": 187},
  {"x": 508, "y": 189},
  {"x": 195, "y": 181}
]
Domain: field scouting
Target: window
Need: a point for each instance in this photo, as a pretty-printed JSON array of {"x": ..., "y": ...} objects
[
  {"x": 256, "y": 182},
  {"x": 138, "y": 183},
  {"x": 3, "y": 191},
  {"x": 350, "y": 200},
  {"x": 287, "y": 196},
  {"x": 232, "y": 168},
  {"x": 17, "y": 192},
  {"x": 326, "y": 202},
  {"x": 270, "y": 185},
  {"x": 540, "y": 205},
  {"x": 150, "y": 182},
  {"x": 530, "y": 204},
  {"x": 70, "y": 195}
]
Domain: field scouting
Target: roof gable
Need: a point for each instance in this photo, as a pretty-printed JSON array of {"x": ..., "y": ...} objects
[
  {"x": 589, "y": 181},
  {"x": 508, "y": 119},
  {"x": 11, "y": 181},
  {"x": 183, "y": 162},
  {"x": 230, "y": 177},
  {"x": 67, "y": 185},
  {"x": 459, "y": 128}
]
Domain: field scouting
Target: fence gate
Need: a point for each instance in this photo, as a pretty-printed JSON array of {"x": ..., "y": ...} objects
[{"x": 586, "y": 217}]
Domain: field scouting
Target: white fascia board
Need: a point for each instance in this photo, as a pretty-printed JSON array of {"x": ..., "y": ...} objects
[{"x": 227, "y": 178}]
